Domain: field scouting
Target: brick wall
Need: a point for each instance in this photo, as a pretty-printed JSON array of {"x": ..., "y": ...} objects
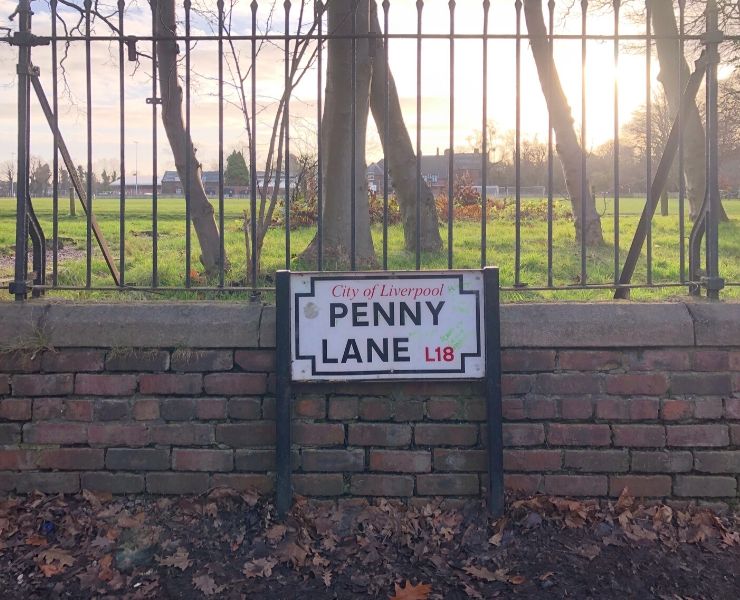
[{"x": 178, "y": 398}]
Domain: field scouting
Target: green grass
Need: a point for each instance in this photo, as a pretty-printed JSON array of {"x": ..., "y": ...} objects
[{"x": 466, "y": 249}]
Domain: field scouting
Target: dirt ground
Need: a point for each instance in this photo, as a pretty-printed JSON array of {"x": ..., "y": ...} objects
[{"x": 229, "y": 545}]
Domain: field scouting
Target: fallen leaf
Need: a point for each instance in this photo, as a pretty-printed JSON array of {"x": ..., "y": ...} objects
[
  {"x": 206, "y": 585},
  {"x": 276, "y": 532},
  {"x": 53, "y": 561},
  {"x": 326, "y": 577},
  {"x": 496, "y": 538},
  {"x": 517, "y": 579},
  {"x": 262, "y": 567},
  {"x": 180, "y": 559},
  {"x": 486, "y": 574},
  {"x": 412, "y": 592},
  {"x": 589, "y": 551},
  {"x": 36, "y": 540}
]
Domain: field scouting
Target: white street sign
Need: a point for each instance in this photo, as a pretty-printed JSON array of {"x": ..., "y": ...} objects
[{"x": 418, "y": 325}]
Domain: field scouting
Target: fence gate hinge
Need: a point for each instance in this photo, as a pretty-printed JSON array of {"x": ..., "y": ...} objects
[
  {"x": 26, "y": 38},
  {"x": 28, "y": 70},
  {"x": 154, "y": 100},
  {"x": 713, "y": 283},
  {"x": 131, "y": 45}
]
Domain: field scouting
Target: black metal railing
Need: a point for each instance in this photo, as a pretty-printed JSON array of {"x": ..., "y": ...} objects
[{"x": 310, "y": 31}]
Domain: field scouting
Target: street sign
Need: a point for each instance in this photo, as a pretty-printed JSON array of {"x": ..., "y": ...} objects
[{"x": 387, "y": 325}]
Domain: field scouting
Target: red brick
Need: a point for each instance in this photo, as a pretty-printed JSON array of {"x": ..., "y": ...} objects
[
  {"x": 532, "y": 460},
  {"x": 78, "y": 410},
  {"x": 317, "y": 434},
  {"x": 448, "y": 484},
  {"x": 576, "y": 485},
  {"x": 375, "y": 409},
  {"x": 18, "y": 460},
  {"x": 643, "y": 409},
  {"x": 236, "y": 384},
  {"x": 177, "y": 483},
  {"x": 168, "y": 383},
  {"x": 379, "y": 434},
  {"x": 576, "y": 408},
  {"x": 660, "y": 360},
  {"x": 113, "y": 483},
  {"x": 400, "y": 461},
  {"x": 711, "y": 360},
  {"x": 597, "y": 461},
  {"x": 73, "y": 360},
  {"x": 708, "y": 408},
  {"x": 427, "y": 434},
  {"x": 188, "y": 459},
  {"x": 732, "y": 408},
  {"x": 512, "y": 408},
  {"x": 15, "y": 409},
  {"x": 4, "y": 385},
  {"x": 146, "y": 409},
  {"x": 42, "y": 385},
  {"x": 444, "y": 408},
  {"x": 701, "y": 384},
  {"x": 734, "y": 360},
  {"x": 10, "y": 433},
  {"x": 105, "y": 385},
  {"x": 255, "y": 360},
  {"x": 578, "y": 435},
  {"x": 736, "y": 382},
  {"x": 183, "y": 434},
  {"x": 662, "y": 462},
  {"x": 523, "y": 484},
  {"x": 318, "y": 484},
  {"x": 518, "y": 361},
  {"x": 48, "y": 409},
  {"x": 567, "y": 384},
  {"x": 72, "y": 459},
  {"x": 117, "y": 434},
  {"x": 589, "y": 360},
  {"x": 382, "y": 485},
  {"x": 137, "y": 459},
  {"x": 539, "y": 407},
  {"x": 521, "y": 434},
  {"x": 698, "y": 435},
  {"x": 705, "y": 486},
  {"x": 460, "y": 460},
  {"x": 138, "y": 360},
  {"x": 55, "y": 433},
  {"x": 333, "y": 460},
  {"x": 408, "y": 410},
  {"x": 210, "y": 408},
  {"x": 631, "y": 384},
  {"x": 255, "y": 460},
  {"x": 612, "y": 408},
  {"x": 112, "y": 410},
  {"x": 639, "y": 436},
  {"x": 246, "y": 435},
  {"x": 640, "y": 486},
  {"x": 343, "y": 408},
  {"x": 19, "y": 361},
  {"x": 727, "y": 461},
  {"x": 735, "y": 434},
  {"x": 262, "y": 484},
  {"x": 247, "y": 409},
  {"x": 310, "y": 407},
  {"x": 516, "y": 384},
  {"x": 177, "y": 409},
  {"x": 49, "y": 483},
  {"x": 189, "y": 361},
  {"x": 675, "y": 409}
]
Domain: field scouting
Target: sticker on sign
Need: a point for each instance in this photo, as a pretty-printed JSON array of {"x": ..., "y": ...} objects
[{"x": 387, "y": 326}]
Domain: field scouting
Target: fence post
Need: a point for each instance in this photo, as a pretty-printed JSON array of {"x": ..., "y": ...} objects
[
  {"x": 283, "y": 488},
  {"x": 712, "y": 38},
  {"x": 19, "y": 287}
]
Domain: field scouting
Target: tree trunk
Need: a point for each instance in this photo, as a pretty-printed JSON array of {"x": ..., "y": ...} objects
[
  {"x": 664, "y": 203},
  {"x": 670, "y": 61},
  {"x": 400, "y": 154},
  {"x": 567, "y": 146},
  {"x": 72, "y": 203},
  {"x": 201, "y": 210},
  {"x": 336, "y": 141}
]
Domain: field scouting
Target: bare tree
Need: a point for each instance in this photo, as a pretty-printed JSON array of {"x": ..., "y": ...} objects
[
  {"x": 8, "y": 169},
  {"x": 586, "y": 218}
]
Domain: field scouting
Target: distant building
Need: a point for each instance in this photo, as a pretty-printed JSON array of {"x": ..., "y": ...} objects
[
  {"x": 137, "y": 185},
  {"x": 435, "y": 170}
]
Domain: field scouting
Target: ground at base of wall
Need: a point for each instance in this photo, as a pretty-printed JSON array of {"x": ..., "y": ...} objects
[{"x": 228, "y": 545}]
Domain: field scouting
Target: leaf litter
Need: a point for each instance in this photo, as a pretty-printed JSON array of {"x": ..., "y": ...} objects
[{"x": 228, "y": 544}]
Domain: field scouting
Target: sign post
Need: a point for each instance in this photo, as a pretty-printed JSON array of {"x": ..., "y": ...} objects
[{"x": 388, "y": 326}]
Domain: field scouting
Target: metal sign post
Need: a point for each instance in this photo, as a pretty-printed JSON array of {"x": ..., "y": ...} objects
[{"x": 388, "y": 326}]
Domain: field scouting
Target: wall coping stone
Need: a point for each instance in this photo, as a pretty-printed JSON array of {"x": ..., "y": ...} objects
[{"x": 244, "y": 325}]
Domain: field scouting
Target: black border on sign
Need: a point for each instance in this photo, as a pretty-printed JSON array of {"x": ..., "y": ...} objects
[{"x": 383, "y": 275}]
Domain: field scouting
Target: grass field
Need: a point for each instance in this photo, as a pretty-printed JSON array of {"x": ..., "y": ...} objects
[{"x": 466, "y": 249}]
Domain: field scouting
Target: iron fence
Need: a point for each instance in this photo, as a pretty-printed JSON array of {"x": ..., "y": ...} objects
[{"x": 310, "y": 32}]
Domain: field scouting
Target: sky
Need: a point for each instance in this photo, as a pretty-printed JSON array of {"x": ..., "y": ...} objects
[{"x": 435, "y": 97}]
